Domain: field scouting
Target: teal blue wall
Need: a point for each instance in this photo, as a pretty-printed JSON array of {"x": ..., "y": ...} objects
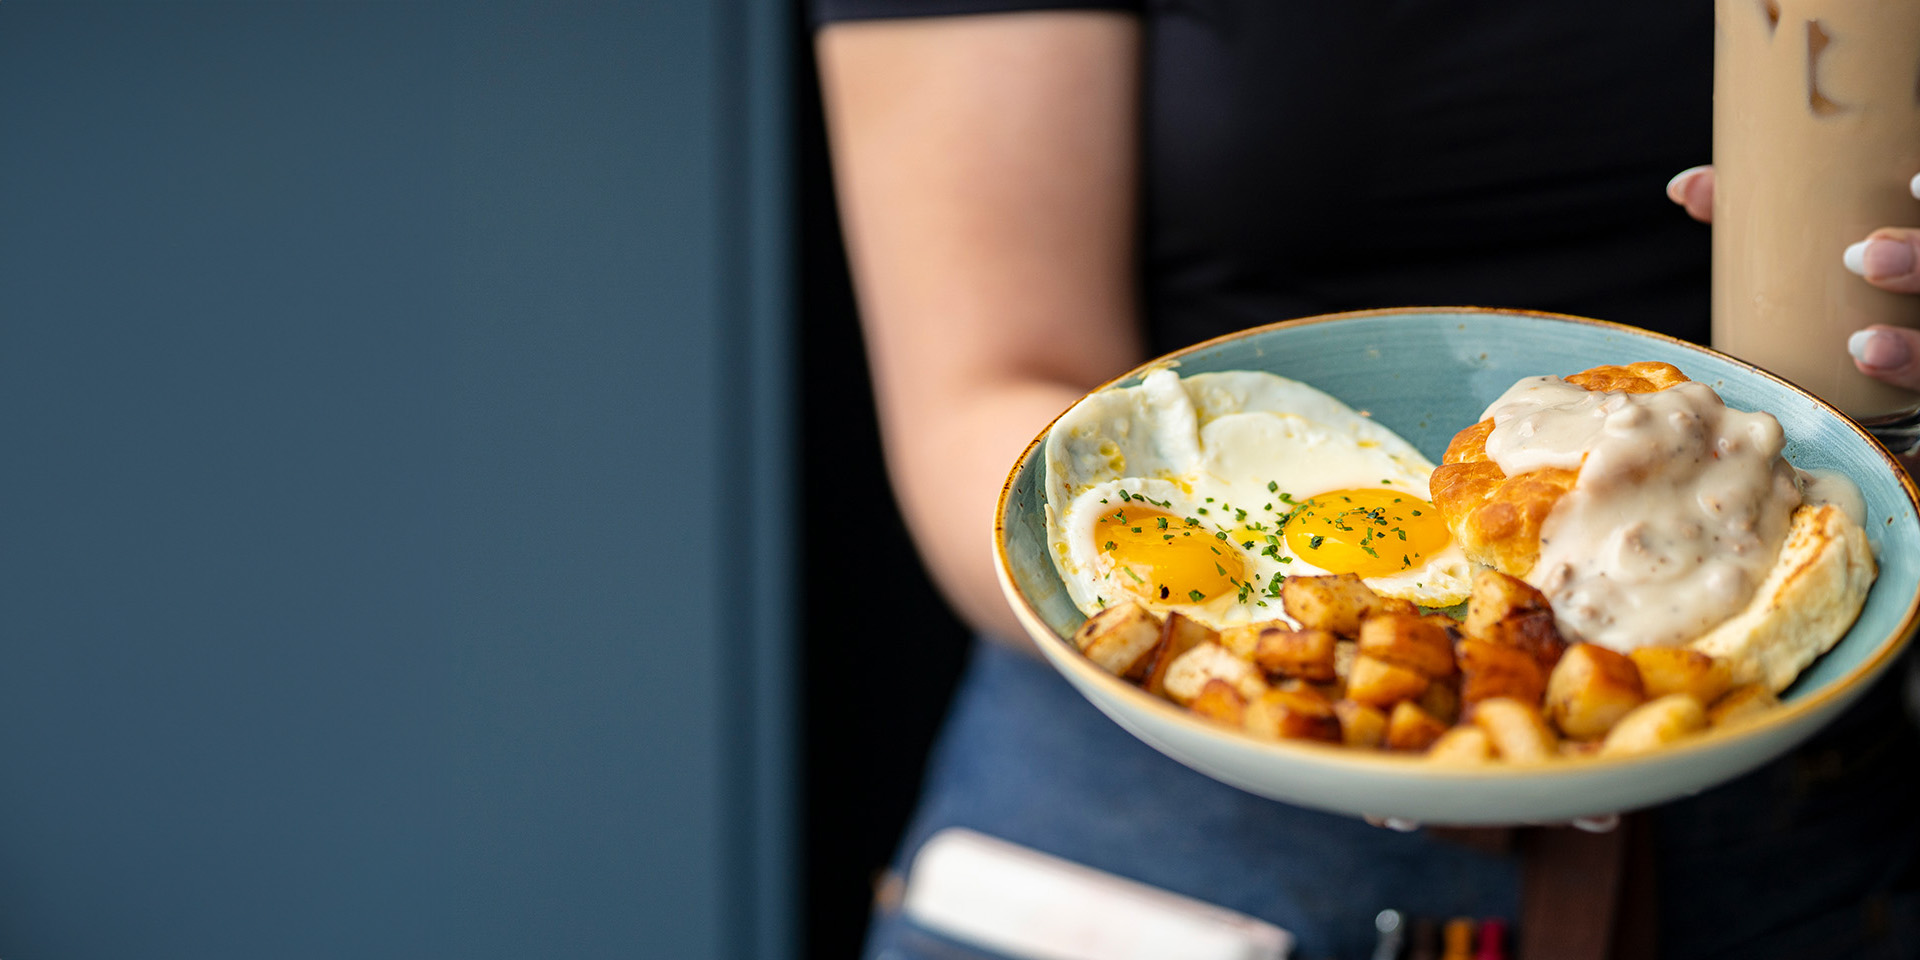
[{"x": 392, "y": 441}]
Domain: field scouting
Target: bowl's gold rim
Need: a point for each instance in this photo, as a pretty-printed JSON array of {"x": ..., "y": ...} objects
[{"x": 1846, "y": 687}]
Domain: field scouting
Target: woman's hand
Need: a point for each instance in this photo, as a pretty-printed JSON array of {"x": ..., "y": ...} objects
[
  {"x": 1889, "y": 258},
  {"x": 1601, "y": 823}
]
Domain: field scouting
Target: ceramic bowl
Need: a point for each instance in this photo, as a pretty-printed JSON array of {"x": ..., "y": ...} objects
[{"x": 1426, "y": 373}]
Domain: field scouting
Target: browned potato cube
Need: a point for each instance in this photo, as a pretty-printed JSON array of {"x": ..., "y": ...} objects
[
  {"x": 1344, "y": 653},
  {"x": 1411, "y": 728},
  {"x": 1665, "y": 670},
  {"x": 1293, "y": 712},
  {"x": 1335, "y": 604},
  {"x": 1536, "y": 632},
  {"x": 1408, "y": 640},
  {"x": 1242, "y": 639},
  {"x": 1576, "y": 749},
  {"x": 1442, "y": 699},
  {"x": 1591, "y": 689},
  {"x": 1497, "y": 596},
  {"x": 1495, "y": 670},
  {"x": 1190, "y": 671},
  {"x": 1508, "y": 610},
  {"x": 1654, "y": 724},
  {"x": 1181, "y": 633},
  {"x": 1303, "y": 654},
  {"x": 1119, "y": 638},
  {"x": 1220, "y": 702},
  {"x": 1394, "y": 605},
  {"x": 1517, "y": 730},
  {"x": 1464, "y": 744},
  {"x": 1741, "y": 704},
  {"x": 1360, "y": 725},
  {"x": 1376, "y": 682}
]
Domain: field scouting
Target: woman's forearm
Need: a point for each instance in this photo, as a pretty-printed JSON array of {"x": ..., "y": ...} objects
[{"x": 986, "y": 172}]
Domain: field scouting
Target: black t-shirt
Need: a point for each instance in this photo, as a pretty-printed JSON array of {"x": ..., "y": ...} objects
[{"x": 1310, "y": 157}]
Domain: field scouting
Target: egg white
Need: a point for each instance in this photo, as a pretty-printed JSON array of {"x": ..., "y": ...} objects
[
  {"x": 1093, "y": 580},
  {"x": 1242, "y": 446}
]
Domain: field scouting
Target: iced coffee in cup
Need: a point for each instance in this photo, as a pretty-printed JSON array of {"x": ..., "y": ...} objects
[{"x": 1816, "y": 137}]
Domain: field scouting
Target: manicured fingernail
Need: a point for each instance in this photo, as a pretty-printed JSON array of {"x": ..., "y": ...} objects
[
  {"x": 1878, "y": 349},
  {"x": 1880, "y": 259},
  {"x": 1856, "y": 258},
  {"x": 1915, "y": 186},
  {"x": 1400, "y": 824},
  {"x": 1677, "y": 187}
]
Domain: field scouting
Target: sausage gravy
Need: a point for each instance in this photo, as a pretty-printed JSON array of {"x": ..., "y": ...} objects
[{"x": 1678, "y": 512}]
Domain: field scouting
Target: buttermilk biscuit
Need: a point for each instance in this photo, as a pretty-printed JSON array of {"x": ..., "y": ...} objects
[
  {"x": 1806, "y": 604},
  {"x": 1496, "y": 518}
]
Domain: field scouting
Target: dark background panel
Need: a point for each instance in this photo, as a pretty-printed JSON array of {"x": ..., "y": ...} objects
[{"x": 377, "y": 465}]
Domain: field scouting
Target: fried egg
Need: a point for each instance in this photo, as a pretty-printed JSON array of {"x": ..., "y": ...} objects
[{"x": 1202, "y": 494}]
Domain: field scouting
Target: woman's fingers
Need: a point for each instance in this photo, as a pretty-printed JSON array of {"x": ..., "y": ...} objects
[
  {"x": 1889, "y": 354},
  {"x": 1693, "y": 188},
  {"x": 1889, "y": 258},
  {"x": 1604, "y": 823},
  {"x": 1396, "y": 824}
]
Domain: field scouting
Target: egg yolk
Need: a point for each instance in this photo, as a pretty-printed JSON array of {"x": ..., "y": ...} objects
[
  {"x": 1372, "y": 533},
  {"x": 1163, "y": 558}
]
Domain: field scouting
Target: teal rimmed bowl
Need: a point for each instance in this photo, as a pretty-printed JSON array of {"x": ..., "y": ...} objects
[{"x": 1426, "y": 373}]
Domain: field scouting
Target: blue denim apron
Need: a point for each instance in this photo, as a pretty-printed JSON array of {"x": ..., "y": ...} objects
[{"x": 1816, "y": 855}]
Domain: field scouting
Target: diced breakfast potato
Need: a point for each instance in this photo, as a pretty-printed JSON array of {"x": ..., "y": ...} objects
[
  {"x": 1360, "y": 725},
  {"x": 1119, "y": 638},
  {"x": 1654, "y": 724},
  {"x": 1409, "y": 640},
  {"x": 1665, "y": 670},
  {"x": 1496, "y": 670},
  {"x": 1293, "y": 712},
  {"x": 1220, "y": 702},
  {"x": 1302, "y": 654},
  {"x": 1741, "y": 704},
  {"x": 1372, "y": 672},
  {"x": 1444, "y": 622},
  {"x": 1442, "y": 699},
  {"x": 1463, "y": 745},
  {"x": 1537, "y": 633},
  {"x": 1241, "y": 640},
  {"x": 1509, "y": 611},
  {"x": 1190, "y": 672},
  {"x": 1575, "y": 749},
  {"x": 1335, "y": 604},
  {"x": 1497, "y": 596},
  {"x": 1518, "y": 732},
  {"x": 1411, "y": 728},
  {"x": 1381, "y": 684},
  {"x": 1590, "y": 689},
  {"x": 1344, "y": 653},
  {"x": 1386, "y": 605},
  {"x": 1181, "y": 633}
]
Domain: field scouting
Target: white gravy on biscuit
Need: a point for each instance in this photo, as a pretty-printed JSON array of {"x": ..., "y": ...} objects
[{"x": 1678, "y": 511}]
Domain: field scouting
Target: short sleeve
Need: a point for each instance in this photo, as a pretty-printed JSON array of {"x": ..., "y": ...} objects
[{"x": 828, "y": 11}]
